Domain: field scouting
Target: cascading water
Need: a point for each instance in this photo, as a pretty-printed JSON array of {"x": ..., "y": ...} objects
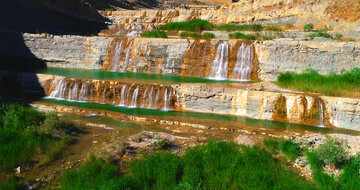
[
  {"x": 127, "y": 58},
  {"x": 167, "y": 98},
  {"x": 144, "y": 97},
  {"x": 243, "y": 65},
  {"x": 117, "y": 56},
  {"x": 122, "y": 96},
  {"x": 151, "y": 97},
  {"x": 84, "y": 91},
  {"x": 135, "y": 97},
  {"x": 60, "y": 89},
  {"x": 321, "y": 114},
  {"x": 219, "y": 66},
  {"x": 73, "y": 92}
]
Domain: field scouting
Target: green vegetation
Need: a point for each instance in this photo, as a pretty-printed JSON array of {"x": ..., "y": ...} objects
[
  {"x": 239, "y": 35},
  {"x": 154, "y": 34},
  {"x": 308, "y": 27},
  {"x": 27, "y": 135},
  {"x": 320, "y": 33},
  {"x": 272, "y": 144},
  {"x": 193, "y": 25},
  {"x": 349, "y": 179},
  {"x": 332, "y": 151},
  {"x": 338, "y": 36},
  {"x": 291, "y": 149},
  {"x": 197, "y": 35},
  {"x": 110, "y": 9},
  {"x": 216, "y": 165},
  {"x": 273, "y": 28},
  {"x": 244, "y": 27},
  {"x": 347, "y": 84},
  {"x": 218, "y": 7}
]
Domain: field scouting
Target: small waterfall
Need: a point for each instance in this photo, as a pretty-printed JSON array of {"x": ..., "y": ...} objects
[
  {"x": 157, "y": 97},
  {"x": 117, "y": 56},
  {"x": 135, "y": 97},
  {"x": 127, "y": 58},
  {"x": 151, "y": 97},
  {"x": 104, "y": 95},
  {"x": 219, "y": 66},
  {"x": 122, "y": 95},
  {"x": 60, "y": 89},
  {"x": 144, "y": 97},
  {"x": 84, "y": 91},
  {"x": 243, "y": 65},
  {"x": 167, "y": 99},
  {"x": 73, "y": 92},
  {"x": 321, "y": 114}
]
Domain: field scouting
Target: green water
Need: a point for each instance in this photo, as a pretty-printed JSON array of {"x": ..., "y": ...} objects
[
  {"x": 107, "y": 75},
  {"x": 198, "y": 115}
]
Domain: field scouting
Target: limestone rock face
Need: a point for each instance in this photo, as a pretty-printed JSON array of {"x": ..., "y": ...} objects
[
  {"x": 327, "y": 57},
  {"x": 68, "y": 51}
]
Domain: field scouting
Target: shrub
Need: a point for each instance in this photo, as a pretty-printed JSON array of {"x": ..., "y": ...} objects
[
  {"x": 338, "y": 36},
  {"x": 162, "y": 143},
  {"x": 320, "y": 33},
  {"x": 308, "y": 27},
  {"x": 154, "y": 34},
  {"x": 218, "y": 7},
  {"x": 193, "y": 25},
  {"x": 110, "y": 9},
  {"x": 208, "y": 35},
  {"x": 288, "y": 26},
  {"x": 273, "y": 28},
  {"x": 291, "y": 149},
  {"x": 333, "y": 151},
  {"x": 244, "y": 27}
]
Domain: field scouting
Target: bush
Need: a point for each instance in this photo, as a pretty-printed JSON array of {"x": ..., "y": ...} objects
[
  {"x": 333, "y": 151},
  {"x": 218, "y": 7},
  {"x": 244, "y": 27},
  {"x": 291, "y": 149},
  {"x": 193, "y": 25},
  {"x": 154, "y": 34},
  {"x": 308, "y": 27},
  {"x": 110, "y": 9},
  {"x": 338, "y": 36},
  {"x": 320, "y": 33}
]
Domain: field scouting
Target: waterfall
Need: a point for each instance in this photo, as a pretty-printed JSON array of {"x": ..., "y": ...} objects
[
  {"x": 127, "y": 58},
  {"x": 220, "y": 64},
  {"x": 84, "y": 91},
  {"x": 144, "y": 97},
  {"x": 321, "y": 115},
  {"x": 165, "y": 99},
  {"x": 243, "y": 65},
  {"x": 122, "y": 96},
  {"x": 151, "y": 97},
  {"x": 117, "y": 57},
  {"x": 73, "y": 92},
  {"x": 135, "y": 97},
  {"x": 157, "y": 97},
  {"x": 104, "y": 95},
  {"x": 60, "y": 89}
]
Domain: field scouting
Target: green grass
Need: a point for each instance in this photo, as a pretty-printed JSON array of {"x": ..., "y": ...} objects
[
  {"x": 197, "y": 35},
  {"x": 272, "y": 144},
  {"x": 239, "y": 35},
  {"x": 216, "y": 165},
  {"x": 347, "y": 84},
  {"x": 308, "y": 27},
  {"x": 291, "y": 149},
  {"x": 193, "y": 25},
  {"x": 243, "y": 27},
  {"x": 26, "y": 134},
  {"x": 273, "y": 28},
  {"x": 154, "y": 34},
  {"x": 320, "y": 33}
]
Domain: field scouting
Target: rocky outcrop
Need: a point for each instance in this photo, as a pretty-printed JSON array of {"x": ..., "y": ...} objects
[
  {"x": 67, "y": 51},
  {"x": 326, "y": 57}
]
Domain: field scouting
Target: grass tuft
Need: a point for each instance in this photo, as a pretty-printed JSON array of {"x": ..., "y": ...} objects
[
  {"x": 154, "y": 34},
  {"x": 193, "y": 25}
]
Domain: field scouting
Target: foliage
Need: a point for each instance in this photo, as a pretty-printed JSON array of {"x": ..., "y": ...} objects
[
  {"x": 273, "y": 28},
  {"x": 272, "y": 144},
  {"x": 216, "y": 165},
  {"x": 308, "y": 27},
  {"x": 338, "y": 36},
  {"x": 347, "y": 84},
  {"x": 320, "y": 33},
  {"x": 244, "y": 27},
  {"x": 154, "y": 34},
  {"x": 291, "y": 149},
  {"x": 110, "y": 9},
  {"x": 218, "y": 7},
  {"x": 193, "y": 25},
  {"x": 239, "y": 35},
  {"x": 162, "y": 143},
  {"x": 197, "y": 35},
  {"x": 332, "y": 151}
]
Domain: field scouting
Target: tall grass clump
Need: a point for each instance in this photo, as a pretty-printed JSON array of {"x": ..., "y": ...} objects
[
  {"x": 320, "y": 33},
  {"x": 308, "y": 27},
  {"x": 347, "y": 84},
  {"x": 154, "y": 34},
  {"x": 216, "y": 165},
  {"x": 291, "y": 149},
  {"x": 273, "y": 28},
  {"x": 26, "y": 134},
  {"x": 193, "y": 25},
  {"x": 242, "y": 27},
  {"x": 197, "y": 35},
  {"x": 239, "y": 35}
]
